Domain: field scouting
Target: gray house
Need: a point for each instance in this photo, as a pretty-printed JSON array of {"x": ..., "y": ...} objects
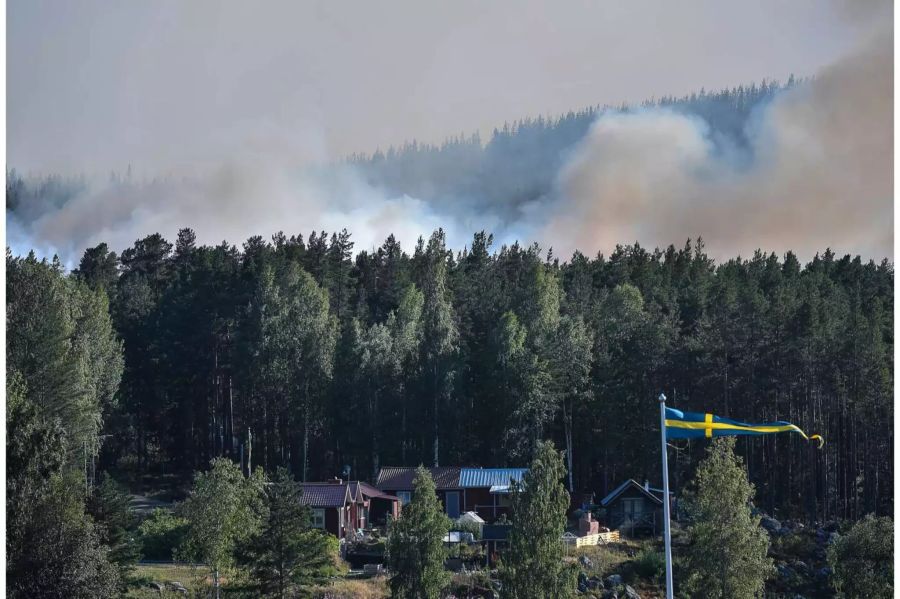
[{"x": 634, "y": 509}]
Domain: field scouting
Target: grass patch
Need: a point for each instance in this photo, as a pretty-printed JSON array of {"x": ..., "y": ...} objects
[
  {"x": 346, "y": 588},
  {"x": 192, "y": 578}
]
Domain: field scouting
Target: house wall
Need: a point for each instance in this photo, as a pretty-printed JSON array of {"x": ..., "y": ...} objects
[
  {"x": 649, "y": 515},
  {"x": 333, "y": 522},
  {"x": 441, "y": 495},
  {"x": 486, "y": 505}
]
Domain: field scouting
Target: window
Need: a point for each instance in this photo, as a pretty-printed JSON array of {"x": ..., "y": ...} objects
[
  {"x": 318, "y": 518},
  {"x": 404, "y": 496},
  {"x": 633, "y": 506}
]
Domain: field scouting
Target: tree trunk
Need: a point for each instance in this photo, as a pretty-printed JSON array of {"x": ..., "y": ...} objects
[
  {"x": 436, "y": 439},
  {"x": 305, "y": 429},
  {"x": 567, "y": 420}
]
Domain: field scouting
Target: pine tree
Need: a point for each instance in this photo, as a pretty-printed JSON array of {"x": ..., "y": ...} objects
[
  {"x": 440, "y": 336},
  {"x": 287, "y": 553},
  {"x": 727, "y": 557},
  {"x": 533, "y": 566},
  {"x": 416, "y": 550},
  {"x": 109, "y": 506}
]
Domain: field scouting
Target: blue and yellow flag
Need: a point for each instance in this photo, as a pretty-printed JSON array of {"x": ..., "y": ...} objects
[{"x": 694, "y": 425}]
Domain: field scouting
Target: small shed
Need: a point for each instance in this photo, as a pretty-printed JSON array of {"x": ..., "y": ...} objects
[{"x": 633, "y": 509}]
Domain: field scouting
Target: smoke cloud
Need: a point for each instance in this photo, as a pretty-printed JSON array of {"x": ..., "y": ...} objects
[
  {"x": 818, "y": 171},
  {"x": 814, "y": 169}
]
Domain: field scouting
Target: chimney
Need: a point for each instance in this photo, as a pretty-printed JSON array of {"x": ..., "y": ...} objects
[{"x": 647, "y": 485}]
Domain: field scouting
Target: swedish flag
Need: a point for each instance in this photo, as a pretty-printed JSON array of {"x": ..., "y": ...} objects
[{"x": 694, "y": 425}]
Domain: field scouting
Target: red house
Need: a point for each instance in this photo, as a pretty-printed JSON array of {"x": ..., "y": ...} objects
[
  {"x": 342, "y": 508},
  {"x": 398, "y": 481}
]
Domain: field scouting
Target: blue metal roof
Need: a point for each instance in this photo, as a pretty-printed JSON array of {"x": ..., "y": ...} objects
[{"x": 489, "y": 477}]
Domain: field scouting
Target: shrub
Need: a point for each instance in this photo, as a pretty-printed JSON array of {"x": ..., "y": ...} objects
[
  {"x": 649, "y": 564},
  {"x": 160, "y": 534},
  {"x": 863, "y": 559}
]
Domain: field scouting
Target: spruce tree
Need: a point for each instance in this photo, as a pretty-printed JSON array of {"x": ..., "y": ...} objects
[
  {"x": 416, "y": 550},
  {"x": 533, "y": 567},
  {"x": 109, "y": 506},
  {"x": 727, "y": 555},
  {"x": 287, "y": 553}
]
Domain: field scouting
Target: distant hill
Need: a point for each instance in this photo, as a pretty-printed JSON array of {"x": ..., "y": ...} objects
[{"x": 519, "y": 162}]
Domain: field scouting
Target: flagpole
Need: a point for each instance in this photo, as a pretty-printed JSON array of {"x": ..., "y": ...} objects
[{"x": 666, "y": 516}]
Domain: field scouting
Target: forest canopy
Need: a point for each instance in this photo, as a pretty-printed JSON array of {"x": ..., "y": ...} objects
[{"x": 298, "y": 354}]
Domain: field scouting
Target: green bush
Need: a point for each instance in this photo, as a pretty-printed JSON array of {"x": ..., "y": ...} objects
[
  {"x": 798, "y": 545},
  {"x": 863, "y": 560},
  {"x": 160, "y": 534},
  {"x": 649, "y": 564}
]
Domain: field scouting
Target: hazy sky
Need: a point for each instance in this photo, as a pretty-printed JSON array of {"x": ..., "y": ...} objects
[{"x": 167, "y": 85}]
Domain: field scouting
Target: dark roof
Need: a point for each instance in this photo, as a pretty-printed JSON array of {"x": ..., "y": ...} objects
[
  {"x": 369, "y": 491},
  {"x": 401, "y": 478},
  {"x": 324, "y": 494},
  {"x": 629, "y": 484}
]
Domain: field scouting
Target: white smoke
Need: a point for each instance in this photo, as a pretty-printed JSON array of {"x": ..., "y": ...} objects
[
  {"x": 818, "y": 172},
  {"x": 231, "y": 203}
]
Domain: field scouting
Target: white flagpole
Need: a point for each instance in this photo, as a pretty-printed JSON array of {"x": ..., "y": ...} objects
[{"x": 666, "y": 516}]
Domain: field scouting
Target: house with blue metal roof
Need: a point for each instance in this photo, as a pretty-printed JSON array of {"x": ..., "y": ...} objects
[{"x": 484, "y": 491}]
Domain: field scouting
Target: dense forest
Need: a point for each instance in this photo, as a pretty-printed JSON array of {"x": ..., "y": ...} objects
[{"x": 295, "y": 353}]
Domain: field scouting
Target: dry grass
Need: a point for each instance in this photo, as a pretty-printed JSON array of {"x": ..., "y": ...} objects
[
  {"x": 343, "y": 588},
  {"x": 192, "y": 579}
]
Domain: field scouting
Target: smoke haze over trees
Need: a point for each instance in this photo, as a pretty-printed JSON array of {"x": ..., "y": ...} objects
[{"x": 793, "y": 167}]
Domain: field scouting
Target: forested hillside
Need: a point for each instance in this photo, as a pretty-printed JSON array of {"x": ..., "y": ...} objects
[
  {"x": 520, "y": 161},
  {"x": 314, "y": 359},
  {"x": 463, "y": 185}
]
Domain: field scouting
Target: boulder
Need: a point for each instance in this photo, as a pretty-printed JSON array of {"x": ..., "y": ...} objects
[
  {"x": 786, "y": 573},
  {"x": 585, "y": 562},
  {"x": 823, "y": 574},
  {"x": 800, "y": 567},
  {"x": 582, "y": 582},
  {"x": 771, "y": 525},
  {"x": 610, "y": 595},
  {"x": 630, "y": 593},
  {"x": 613, "y": 580},
  {"x": 156, "y": 587},
  {"x": 595, "y": 583}
]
